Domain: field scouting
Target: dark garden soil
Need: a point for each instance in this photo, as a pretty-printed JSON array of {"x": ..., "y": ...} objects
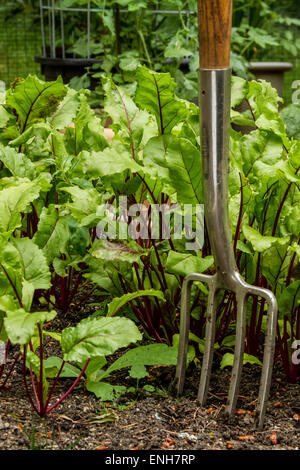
[{"x": 155, "y": 420}]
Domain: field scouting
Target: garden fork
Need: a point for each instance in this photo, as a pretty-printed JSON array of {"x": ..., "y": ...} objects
[{"x": 215, "y": 79}]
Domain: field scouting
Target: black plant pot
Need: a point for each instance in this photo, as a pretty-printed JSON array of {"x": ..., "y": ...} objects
[
  {"x": 271, "y": 72},
  {"x": 68, "y": 68}
]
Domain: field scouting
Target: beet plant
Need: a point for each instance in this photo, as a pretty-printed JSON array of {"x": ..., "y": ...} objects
[{"x": 88, "y": 339}]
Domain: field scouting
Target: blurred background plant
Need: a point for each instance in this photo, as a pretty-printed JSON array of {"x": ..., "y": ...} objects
[
  {"x": 127, "y": 33},
  {"x": 263, "y": 28}
]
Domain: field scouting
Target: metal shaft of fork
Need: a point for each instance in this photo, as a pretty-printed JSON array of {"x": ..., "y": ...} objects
[{"x": 215, "y": 88}]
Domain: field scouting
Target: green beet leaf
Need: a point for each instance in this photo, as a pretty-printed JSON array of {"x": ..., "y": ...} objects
[
  {"x": 260, "y": 242},
  {"x": 17, "y": 163},
  {"x": 178, "y": 163},
  {"x": 129, "y": 121},
  {"x": 264, "y": 99},
  {"x": 52, "y": 233},
  {"x": 85, "y": 201},
  {"x": 97, "y": 337},
  {"x": 38, "y": 130},
  {"x": 155, "y": 93},
  {"x": 34, "y": 100},
  {"x": 239, "y": 89},
  {"x": 20, "y": 325},
  {"x": 14, "y": 200},
  {"x": 228, "y": 358},
  {"x": 291, "y": 118},
  {"x": 184, "y": 164},
  {"x": 111, "y": 251},
  {"x": 138, "y": 371},
  {"x": 7, "y": 302},
  {"x": 10, "y": 269},
  {"x": 112, "y": 160},
  {"x": 185, "y": 263},
  {"x": 289, "y": 299},
  {"x": 94, "y": 369},
  {"x": 66, "y": 110},
  {"x": 27, "y": 294},
  {"x": 106, "y": 392},
  {"x": 23, "y": 269},
  {"x": 150, "y": 355},
  {"x": 53, "y": 364},
  {"x": 107, "y": 275},
  {"x": 155, "y": 156},
  {"x": 118, "y": 303},
  {"x": 34, "y": 265},
  {"x": 87, "y": 133},
  {"x": 5, "y": 116}
]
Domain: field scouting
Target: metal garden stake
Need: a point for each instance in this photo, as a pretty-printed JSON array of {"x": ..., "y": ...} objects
[{"x": 215, "y": 76}]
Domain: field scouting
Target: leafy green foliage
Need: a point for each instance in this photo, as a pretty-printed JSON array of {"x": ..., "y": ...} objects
[
  {"x": 118, "y": 303},
  {"x": 113, "y": 160},
  {"x": 155, "y": 92},
  {"x": 57, "y": 183},
  {"x": 151, "y": 355},
  {"x": 53, "y": 364},
  {"x": 33, "y": 99},
  {"x": 264, "y": 187},
  {"x": 177, "y": 159},
  {"x": 136, "y": 359},
  {"x": 21, "y": 325},
  {"x": 130, "y": 122},
  {"x": 228, "y": 358},
  {"x": 291, "y": 118},
  {"x": 52, "y": 233},
  {"x": 14, "y": 199},
  {"x": 105, "y": 391},
  {"x": 97, "y": 337},
  {"x": 260, "y": 27},
  {"x": 185, "y": 263}
]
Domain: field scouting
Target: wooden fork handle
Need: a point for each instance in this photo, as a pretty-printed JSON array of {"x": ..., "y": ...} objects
[{"x": 214, "y": 19}]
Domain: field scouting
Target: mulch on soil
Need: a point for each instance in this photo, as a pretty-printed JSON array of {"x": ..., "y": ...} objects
[{"x": 151, "y": 420}]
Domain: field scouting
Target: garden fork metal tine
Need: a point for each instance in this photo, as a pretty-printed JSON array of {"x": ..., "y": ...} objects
[
  {"x": 185, "y": 327},
  {"x": 241, "y": 323},
  {"x": 242, "y": 292},
  {"x": 269, "y": 348},
  {"x": 183, "y": 333},
  {"x": 210, "y": 333}
]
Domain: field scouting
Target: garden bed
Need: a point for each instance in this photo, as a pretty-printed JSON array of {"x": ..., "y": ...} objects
[{"x": 157, "y": 420}]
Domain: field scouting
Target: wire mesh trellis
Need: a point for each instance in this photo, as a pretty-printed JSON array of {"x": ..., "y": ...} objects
[
  {"x": 54, "y": 17},
  {"x": 86, "y": 34},
  {"x": 52, "y": 10},
  {"x": 20, "y": 41}
]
